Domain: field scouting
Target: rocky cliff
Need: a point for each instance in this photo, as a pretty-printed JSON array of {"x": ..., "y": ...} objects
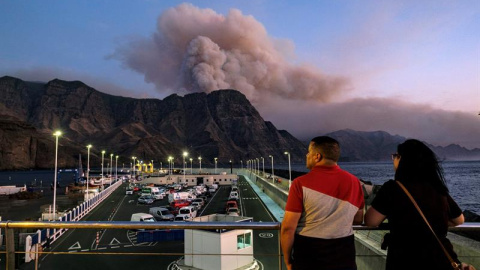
[{"x": 221, "y": 124}]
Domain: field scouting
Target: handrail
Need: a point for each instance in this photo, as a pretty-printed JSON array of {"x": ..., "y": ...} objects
[{"x": 469, "y": 226}]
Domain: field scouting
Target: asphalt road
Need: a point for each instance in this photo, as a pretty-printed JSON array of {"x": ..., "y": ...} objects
[{"x": 100, "y": 249}]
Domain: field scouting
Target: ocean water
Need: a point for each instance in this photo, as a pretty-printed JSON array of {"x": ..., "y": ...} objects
[{"x": 462, "y": 177}]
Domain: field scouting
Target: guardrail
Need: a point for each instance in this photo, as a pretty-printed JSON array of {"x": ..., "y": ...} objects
[{"x": 10, "y": 226}]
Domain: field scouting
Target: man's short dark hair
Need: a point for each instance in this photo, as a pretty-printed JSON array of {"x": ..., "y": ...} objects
[{"x": 328, "y": 147}]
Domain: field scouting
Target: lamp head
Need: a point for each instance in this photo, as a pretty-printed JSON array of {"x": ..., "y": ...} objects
[{"x": 57, "y": 133}]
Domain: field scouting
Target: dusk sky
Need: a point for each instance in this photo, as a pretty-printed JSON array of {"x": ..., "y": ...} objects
[{"x": 410, "y": 68}]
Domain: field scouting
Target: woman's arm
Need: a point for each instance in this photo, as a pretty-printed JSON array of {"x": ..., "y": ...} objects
[
  {"x": 456, "y": 221},
  {"x": 373, "y": 218}
]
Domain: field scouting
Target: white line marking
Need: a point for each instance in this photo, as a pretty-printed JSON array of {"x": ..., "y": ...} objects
[
  {"x": 101, "y": 248},
  {"x": 85, "y": 250},
  {"x": 75, "y": 246},
  {"x": 115, "y": 247}
]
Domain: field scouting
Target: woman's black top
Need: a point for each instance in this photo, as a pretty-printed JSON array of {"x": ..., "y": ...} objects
[{"x": 412, "y": 244}]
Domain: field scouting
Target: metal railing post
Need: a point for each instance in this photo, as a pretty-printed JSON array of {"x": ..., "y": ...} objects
[{"x": 10, "y": 246}]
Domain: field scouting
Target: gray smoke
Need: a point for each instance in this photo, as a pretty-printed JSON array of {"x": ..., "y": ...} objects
[{"x": 198, "y": 50}]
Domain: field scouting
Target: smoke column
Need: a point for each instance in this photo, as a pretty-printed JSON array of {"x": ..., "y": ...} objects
[{"x": 198, "y": 50}]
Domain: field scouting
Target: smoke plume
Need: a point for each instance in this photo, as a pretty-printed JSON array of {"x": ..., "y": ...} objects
[{"x": 198, "y": 50}]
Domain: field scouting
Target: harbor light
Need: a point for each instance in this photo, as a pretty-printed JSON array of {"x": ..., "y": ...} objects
[
  {"x": 184, "y": 155},
  {"x": 289, "y": 170},
  {"x": 56, "y": 134},
  {"x": 200, "y": 160},
  {"x": 88, "y": 167},
  {"x": 191, "y": 165},
  {"x": 273, "y": 178},
  {"x": 103, "y": 160},
  {"x": 111, "y": 167}
]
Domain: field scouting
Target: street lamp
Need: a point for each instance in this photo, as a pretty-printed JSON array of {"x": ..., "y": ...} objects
[
  {"x": 241, "y": 164},
  {"x": 200, "y": 159},
  {"x": 103, "y": 159},
  {"x": 170, "y": 165},
  {"x": 134, "y": 174},
  {"x": 184, "y": 155},
  {"x": 56, "y": 134},
  {"x": 116, "y": 167},
  {"x": 215, "y": 165},
  {"x": 111, "y": 167},
  {"x": 273, "y": 179},
  {"x": 289, "y": 170},
  {"x": 263, "y": 166},
  {"x": 258, "y": 165},
  {"x": 231, "y": 167},
  {"x": 88, "y": 167},
  {"x": 191, "y": 165}
]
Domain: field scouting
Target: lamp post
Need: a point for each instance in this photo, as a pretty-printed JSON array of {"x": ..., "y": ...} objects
[
  {"x": 184, "y": 155},
  {"x": 88, "y": 167},
  {"x": 170, "y": 165},
  {"x": 116, "y": 167},
  {"x": 258, "y": 165},
  {"x": 231, "y": 167},
  {"x": 200, "y": 160},
  {"x": 289, "y": 170},
  {"x": 191, "y": 165},
  {"x": 56, "y": 134},
  {"x": 263, "y": 166},
  {"x": 111, "y": 167},
  {"x": 134, "y": 174},
  {"x": 241, "y": 164},
  {"x": 273, "y": 179},
  {"x": 103, "y": 159},
  {"x": 215, "y": 165}
]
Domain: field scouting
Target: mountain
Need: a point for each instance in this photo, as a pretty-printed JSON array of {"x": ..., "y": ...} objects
[
  {"x": 379, "y": 145},
  {"x": 220, "y": 124}
]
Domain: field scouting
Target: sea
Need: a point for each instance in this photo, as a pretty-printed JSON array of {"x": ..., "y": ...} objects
[{"x": 462, "y": 177}]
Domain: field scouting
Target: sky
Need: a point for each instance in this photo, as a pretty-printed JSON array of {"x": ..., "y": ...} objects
[{"x": 410, "y": 68}]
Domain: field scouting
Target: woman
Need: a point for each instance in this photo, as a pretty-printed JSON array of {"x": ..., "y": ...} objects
[{"x": 411, "y": 243}]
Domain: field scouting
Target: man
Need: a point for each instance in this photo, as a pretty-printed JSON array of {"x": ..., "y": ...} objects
[{"x": 321, "y": 208}]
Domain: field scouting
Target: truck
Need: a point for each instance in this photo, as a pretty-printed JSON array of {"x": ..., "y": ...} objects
[{"x": 180, "y": 196}]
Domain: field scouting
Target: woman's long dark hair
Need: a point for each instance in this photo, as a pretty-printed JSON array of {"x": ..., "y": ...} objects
[{"x": 418, "y": 163}]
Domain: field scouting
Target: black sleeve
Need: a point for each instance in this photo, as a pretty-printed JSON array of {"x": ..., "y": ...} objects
[
  {"x": 382, "y": 202},
  {"x": 454, "y": 210}
]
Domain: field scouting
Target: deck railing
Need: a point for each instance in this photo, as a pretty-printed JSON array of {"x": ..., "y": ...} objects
[{"x": 9, "y": 228}]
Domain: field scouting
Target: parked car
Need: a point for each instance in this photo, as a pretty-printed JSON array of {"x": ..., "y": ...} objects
[
  {"x": 198, "y": 205},
  {"x": 161, "y": 214},
  {"x": 146, "y": 199},
  {"x": 230, "y": 204},
  {"x": 199, "y": 200},
  {"x": 233, "y": 195},
  {"x": 129, "y": 191},
  {"x": 191, "y": 211},
  {"x": 233, "y": 211},
  {"x": 181, "y": 217}
]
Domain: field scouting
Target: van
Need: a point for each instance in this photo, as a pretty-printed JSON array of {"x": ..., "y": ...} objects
[
  {"x": 180, "y": 196},
  {"x": 142, "y": 217},
  {"x": 191, "y": 211},
  {"x": 161, "y": 214}
]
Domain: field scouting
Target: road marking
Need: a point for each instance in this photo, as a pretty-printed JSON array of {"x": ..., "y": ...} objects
[
  {"x": 75, "y": 246},
  {"x": 128, "y": 246},
  {"x": 85, "y": 250},
  {"x": 114, "y": 242},
  {"x": 72, "y": 251},
  {"x": 115, "y": 247},
  {"x": 101, "y": 248}
]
